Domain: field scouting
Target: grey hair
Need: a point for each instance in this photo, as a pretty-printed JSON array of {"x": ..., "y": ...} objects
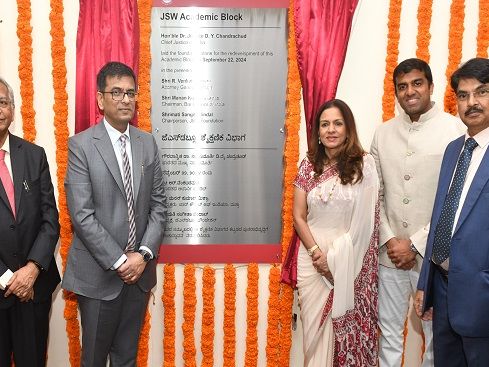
[{"x": 9, "y": 89}]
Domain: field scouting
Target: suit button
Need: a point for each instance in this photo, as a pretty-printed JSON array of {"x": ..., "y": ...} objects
[
  {"x": 14, "y": 254},
  {"x": 404, "y": 224},
  {"x": 407, "y": 177},
  {"x": 12, "y": 227},
  {"x": 406, "y": 201}
]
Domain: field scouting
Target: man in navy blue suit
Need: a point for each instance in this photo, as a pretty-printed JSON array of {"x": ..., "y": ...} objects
[{"x": 453, "y": 287}]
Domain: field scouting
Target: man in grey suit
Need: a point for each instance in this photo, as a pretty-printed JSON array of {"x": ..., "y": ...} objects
[{"x": 117, "y": 205}]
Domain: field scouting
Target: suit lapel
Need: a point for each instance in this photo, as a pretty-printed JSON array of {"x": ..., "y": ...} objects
[
  {"x": 446, "y": 174},
  {"x": 480, "y": 179},
  {"x": 137, "y": 159},
  {"x": 102, "y": 143}
]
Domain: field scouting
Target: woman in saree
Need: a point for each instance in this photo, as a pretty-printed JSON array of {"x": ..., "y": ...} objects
[{"x": 336, "y": 219}]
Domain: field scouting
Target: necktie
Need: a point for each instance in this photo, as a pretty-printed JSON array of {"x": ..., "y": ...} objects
[
  {"x": 127, "y": 179},
  {"x": 7, "y": 181},
  {"x": 443, "y": 232}
]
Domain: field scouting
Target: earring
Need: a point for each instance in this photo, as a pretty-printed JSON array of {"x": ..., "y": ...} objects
[{"x": 319, "y": 141}]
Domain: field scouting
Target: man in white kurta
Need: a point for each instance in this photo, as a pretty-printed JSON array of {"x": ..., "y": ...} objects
[{"x": 408, "y": 150}]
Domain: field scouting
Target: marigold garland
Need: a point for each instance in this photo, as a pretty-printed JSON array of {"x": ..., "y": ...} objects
[
  {"x": 229, "y": 316},
  {"x": 144, "y": 96},
  {"x": 168, "y": 299},
  {"x": 291, "y": 157},
  {"x": 144, "y": 123},
  {"x": 143, "y": 344},
  {"x": 208, "y": 309},
  {"x": 251, "y": 354},
  {"x": 455, "y": 37},
  {"x": 424, "y": 35},
  {"x": 483, "y": 29},
  {"x": 60, "y": 107},
  {"x": 24, "y": 33},
  {"x": 273, "y": 339},
  {"x": 189, "y": 303},
  {"x": 388, "y": 99}
]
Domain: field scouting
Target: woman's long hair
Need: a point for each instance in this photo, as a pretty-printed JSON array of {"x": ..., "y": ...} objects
[{"x": 350, "y": 156}]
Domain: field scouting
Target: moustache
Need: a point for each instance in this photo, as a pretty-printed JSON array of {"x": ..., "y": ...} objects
[{"x": 472, "y": 109}]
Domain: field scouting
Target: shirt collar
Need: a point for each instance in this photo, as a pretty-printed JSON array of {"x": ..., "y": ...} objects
[
  {"x": 115, "y": 134},
  {"x": 6, "y": 145},
  {"x": 432, "y": 112},
  {"x": 482, "y": 138}
]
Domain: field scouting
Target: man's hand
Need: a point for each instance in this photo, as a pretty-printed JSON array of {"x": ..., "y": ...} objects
[
  {"x": 320, "y": 262},
  {"x": 28, "y": 297},
  {"x": 22, "y": 282},
  {"x": 399, "y": 251},
  {"x": 130, "y": 271},
  {"x": 418, "y": 306}
]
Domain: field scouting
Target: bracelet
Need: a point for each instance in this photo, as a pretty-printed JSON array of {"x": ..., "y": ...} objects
[{"x": 310, "y": 251}]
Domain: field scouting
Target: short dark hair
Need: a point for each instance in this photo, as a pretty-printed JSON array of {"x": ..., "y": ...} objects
[
  {"x": 113, "y": 68},
  {"x": 476, "y": 68},
  {"x": 350, "y": 156},
  {"x": 409, "y": 65}
]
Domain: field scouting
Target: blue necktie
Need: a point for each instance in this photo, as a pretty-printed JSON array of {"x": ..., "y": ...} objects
[{"x": 443, "y": 232}]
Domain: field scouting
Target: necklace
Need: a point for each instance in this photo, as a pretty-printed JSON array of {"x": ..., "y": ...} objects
[{"x": 330, "y": 193}]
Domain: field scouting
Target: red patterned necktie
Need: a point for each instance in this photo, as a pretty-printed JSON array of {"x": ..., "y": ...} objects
[{"x": 7, "y": 181}]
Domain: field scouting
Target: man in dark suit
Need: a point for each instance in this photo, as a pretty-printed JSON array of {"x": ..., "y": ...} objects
[
  {"x": 29, "y": 231},
  {"x": 453, "y": 287},
  {"x": 117, "y": 205}
]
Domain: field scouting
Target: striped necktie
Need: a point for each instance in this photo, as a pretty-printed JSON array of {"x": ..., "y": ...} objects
[
  {"x": 443, "y": 232},
  {"x": 127, "y": 179}
]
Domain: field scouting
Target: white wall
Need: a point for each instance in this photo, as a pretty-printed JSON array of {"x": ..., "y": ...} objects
[{"x": 361, "y": 86}]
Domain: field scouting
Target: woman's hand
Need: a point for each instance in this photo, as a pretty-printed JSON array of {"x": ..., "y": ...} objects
[{"x": 320, "y": 262}]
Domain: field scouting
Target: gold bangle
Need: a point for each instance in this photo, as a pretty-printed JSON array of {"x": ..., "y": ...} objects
[{"x": 310, "y": 251}]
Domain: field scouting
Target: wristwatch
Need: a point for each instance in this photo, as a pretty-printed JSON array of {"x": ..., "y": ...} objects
[
  {"x": 146, "y": 255},
  {"x": 413, "y": 248},
  {"x": 310, "y": 251}
]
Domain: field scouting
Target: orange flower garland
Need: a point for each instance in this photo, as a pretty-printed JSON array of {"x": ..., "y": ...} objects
[
  {"x": 251, "y": 355},
  {"x": 483, "y": 31},
  {"x": 455, "y": 36},
  {"x": 424, "y": 35},
  {"x": 168, "y": 299},
  {"x": 207, "y": 336},
  {"x": 144, "y": 97},
  {"x": 143, "y": 344},
  {"x": 60, "y": 107},
  {"x": 273, "y": 339},
  {"x": 291, "y": 156},
  {"x": 229, "y": 316},
  {"x": 144, "y": 123},
  {"x": 391, "y": 59},
  {"x": 189, "y": 303},
  {"x": 24, "y": 32}
]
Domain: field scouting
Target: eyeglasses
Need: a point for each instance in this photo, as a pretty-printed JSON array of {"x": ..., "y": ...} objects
[
  {"x": 478, "y": 94},
  {"x": 118, "y": 95},
  {"x": 5, "y": 103}
]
